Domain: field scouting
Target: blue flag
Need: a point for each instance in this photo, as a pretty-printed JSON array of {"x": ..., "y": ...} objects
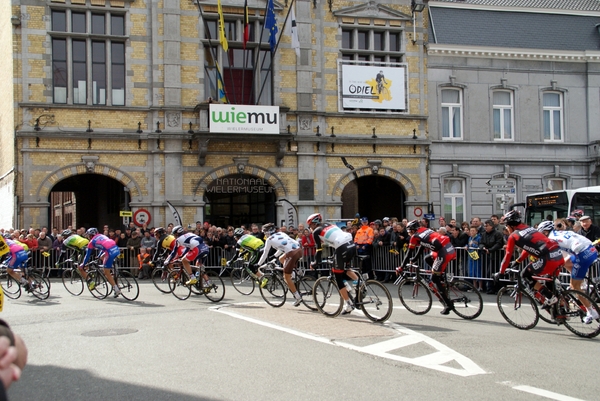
[{"x": 271, "y": 25}]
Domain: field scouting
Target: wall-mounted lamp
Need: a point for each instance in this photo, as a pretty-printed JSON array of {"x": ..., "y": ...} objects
[
  {"x": 329, "y": 2},
  {"x": 37, "y": 124},
  {"x": 416, "y": 6},
  {"x": 415, "y": 133},
  {"x": 374, "y": 136},
  {"x": 139, "y": 130},
  {"x": 190, "y": 131},
  {"x": 158, "y": 131},
  {"x": 318, "y": 130},
  {"x": 15, "y": 20},
  {"x": 332, "y": 134},
  {"x": 89, "y": 128}
]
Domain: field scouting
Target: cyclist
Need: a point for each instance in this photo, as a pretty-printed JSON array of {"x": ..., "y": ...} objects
[
  {"x": 164, "y": 244},
  {"x": 291, "y": 253},
  {"x": 579, "y": 255},
  {"x": 331, "y": 235},
  {"x": 546, "y": 251},
  {"x": 192, "y": 246},
  {"x": 110, "y": 251},
  {"x": 17, "y": 257},
  {"x": 442, "y": 252},
  {"x": 253, "y": 247},
  {"x": 77, "y": 244}
]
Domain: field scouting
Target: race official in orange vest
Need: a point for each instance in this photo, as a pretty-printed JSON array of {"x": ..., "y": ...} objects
[{"x": 364, "y": 239}]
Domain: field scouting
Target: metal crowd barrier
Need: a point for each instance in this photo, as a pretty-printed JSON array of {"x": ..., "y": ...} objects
[{"x": 384, "y": 261}]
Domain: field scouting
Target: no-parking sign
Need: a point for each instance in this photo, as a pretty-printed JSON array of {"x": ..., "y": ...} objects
[{"x": 141, "y": 217}]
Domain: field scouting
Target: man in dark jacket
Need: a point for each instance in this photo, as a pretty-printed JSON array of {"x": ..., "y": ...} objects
[
  {"x": 589, "y": 230},
  {"x": 491, "y": 245}
]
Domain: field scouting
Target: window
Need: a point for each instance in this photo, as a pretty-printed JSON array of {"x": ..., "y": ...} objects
[
  {"x": 503, "y": 115},
  {"x": 246, "y": 75},
  {"x": 454, "y": 199},
  {"x": 451, "y": 114},
  {"x": 371, "y": 45},
  {"x": 86, "y": 70},
  {"x": 555, "y": 184},
  {"x": 553, "y": 116}
]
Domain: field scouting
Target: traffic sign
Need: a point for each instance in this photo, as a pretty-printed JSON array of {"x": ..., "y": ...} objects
[
  {"x": 500, "y": 183},
  {"x": 125, "y": 213},
  {"x": 496, "y": 190},
  {"x": 429, "y": 216}
]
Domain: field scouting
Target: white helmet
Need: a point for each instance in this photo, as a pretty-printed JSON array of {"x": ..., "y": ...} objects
[{"x": 545, "y": 226}]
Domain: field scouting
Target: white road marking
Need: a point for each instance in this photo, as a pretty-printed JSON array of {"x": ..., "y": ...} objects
[
  {"x": 546, "y": 393},
  {"x": 435, "y": 360}
]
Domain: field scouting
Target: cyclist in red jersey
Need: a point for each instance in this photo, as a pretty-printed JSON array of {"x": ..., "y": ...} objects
[
  {"x": 546, "y": 251},
  {"x": 442, "y": 252}
]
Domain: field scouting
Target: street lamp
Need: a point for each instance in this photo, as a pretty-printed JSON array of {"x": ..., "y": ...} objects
[{"x": 416, "y": 6}]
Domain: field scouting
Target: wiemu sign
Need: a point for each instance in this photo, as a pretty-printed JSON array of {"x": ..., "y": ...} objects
[{"x": 243, "y": 119}]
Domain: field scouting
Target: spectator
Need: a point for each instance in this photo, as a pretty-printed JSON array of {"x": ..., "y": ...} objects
[
  {"x": 464, "y": 226},
  {"x": 364, "y": 244},
  {"x": 308, "y": 246},
  {"x": 588, "y": 230},
  {"x": 147, "y": 243},
  {"x": 230, "y": 242},
  {"x": 476, "y": 222},
  {"x": 122, "y": 241},
  {"x": 255, "y": 231},
  {"x": 31, "y": 242},
  {"x": 399, "y": 237},
  {"x": 384, "y": 237},
  {"x": 44, "y": 242},
  {"x": 474, "y": 260},
  {"x": 386, "y": 225},
  {"x": 57, "y": 244},
  {"x": 459, "y": 240},
  {"x": 491, "y": 246}
]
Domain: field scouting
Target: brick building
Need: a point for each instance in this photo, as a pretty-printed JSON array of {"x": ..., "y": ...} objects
[{"x": 111, "y": 103}]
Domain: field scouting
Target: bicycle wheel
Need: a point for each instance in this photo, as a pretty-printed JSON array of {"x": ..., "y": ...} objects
[
  {"x": 128, "y": 285},
  {"x": 375, "y": 301},
  {"x": 98, "y": 285},
  {"x": 274, "y": 293},
  {"x": 40, "y": 286},
  {"x": 467, "y": 304},
  {"x": 177, "y": 280},
  {"x": 241, "y": 280},
  {"x": 160, "y": 279},
  {"x": 517, "y": 308},
  {"x": 11, "y": 287},
  {"x": 305, "y": 288},
  {"x": 72, "y": 280},
  {"x": 327, "y": 298},
  {"x": 214, "y": 289},
  {"x": 575, "y": 313},
  {"x": 415, "y": 296}
]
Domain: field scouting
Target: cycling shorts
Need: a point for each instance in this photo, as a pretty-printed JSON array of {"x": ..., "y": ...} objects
[
  {"x": 110, "y": 256},
  {"x": 343, "y": 254},
  {"x": 582, "y": 262},
  {"x": 192, "y": 254},
  {"x": 16, "y": 260}
]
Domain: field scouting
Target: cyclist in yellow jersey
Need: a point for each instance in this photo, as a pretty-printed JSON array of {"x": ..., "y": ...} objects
[
  {"x": 164, "y": 244},
  {"x": 251, "y": 245},
  {"x": 78, "y": 245}
]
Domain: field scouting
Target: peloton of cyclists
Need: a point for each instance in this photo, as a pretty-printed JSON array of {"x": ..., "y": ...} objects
[
  {"x": 326, "y": 234},
  {"x": 442, "y": 252}
]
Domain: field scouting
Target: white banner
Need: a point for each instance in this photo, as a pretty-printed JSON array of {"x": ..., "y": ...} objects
[
  {"x": 243, "y": 119},
  {"x": 290, "y": 214},
  {"x": 176, "y": 215},
  {"x": 372, "y": 87}
]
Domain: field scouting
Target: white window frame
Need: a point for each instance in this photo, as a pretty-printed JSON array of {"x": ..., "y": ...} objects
[
  {"x": 453, "y": 196},
  {"x": 549, "y": 184},
  {"x": 502, "y": 109},
  {"x": 451, "y": 108},
  {"x": 551, "y": 113}
]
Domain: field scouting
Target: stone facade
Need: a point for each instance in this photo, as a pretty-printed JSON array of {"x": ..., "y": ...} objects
[{"x": 158, "y": 145}]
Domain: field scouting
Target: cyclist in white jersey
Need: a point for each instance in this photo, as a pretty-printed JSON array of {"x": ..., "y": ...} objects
[
  {"x": 291, "y": 250},
  {"x": 192, "y": 245},
  {"x": 579, "y": 254},
  {"x": 345, "y": 249}
]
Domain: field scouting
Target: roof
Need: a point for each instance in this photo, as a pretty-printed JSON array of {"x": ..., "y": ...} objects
[
  {"x": 577, "y": 5},
  {"x": 512, "y": 29}
]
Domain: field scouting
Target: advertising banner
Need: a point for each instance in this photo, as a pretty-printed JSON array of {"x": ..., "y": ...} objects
[
  {"x": 373, "y": 87},
  {"x": 243, "y": 119}
]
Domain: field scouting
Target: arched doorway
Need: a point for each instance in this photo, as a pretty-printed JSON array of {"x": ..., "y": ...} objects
[
  {"x": 239, "y": 199},
  {"x": 374, "y": 196},
  {"x": 93, "y": 200}
]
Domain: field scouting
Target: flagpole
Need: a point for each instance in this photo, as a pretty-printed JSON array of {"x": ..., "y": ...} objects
[
  {"x": 212, "y": 51},
  {"x": 258, "y": 52},
  {"x": 274, "y": 51}
]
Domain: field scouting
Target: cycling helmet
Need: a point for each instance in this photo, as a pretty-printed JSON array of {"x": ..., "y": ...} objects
[
  {"x": 577, "y": 213},
  {"x": 413, "y": 225},
  {"x": 238, "y": 232},
  {"x": 66, "y": 233},
  {"x": 545, "y": 226},
  {"x": 572, "y": 219},
  {"x": 268, "y": 228},
  {"x": 159, "y": 231},
  {"x": 177, "y": 231},
  {"x": 91, "y": 231},
  {"x": 314, "y": 218},
  {"x": 512, "y": 218}
]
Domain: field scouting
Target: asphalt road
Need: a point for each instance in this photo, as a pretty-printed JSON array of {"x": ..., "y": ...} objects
[{"x": 161, "y": 348}]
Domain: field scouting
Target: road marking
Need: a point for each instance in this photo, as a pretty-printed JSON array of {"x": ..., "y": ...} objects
[
  {"x": 546, "y": 393},
  {"x": 435, "y": 360}
]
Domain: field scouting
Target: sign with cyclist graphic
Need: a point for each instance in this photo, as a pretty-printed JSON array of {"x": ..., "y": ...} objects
[
  {"x": 374, "y": 87},
  {"x": 141, "y": 217}
]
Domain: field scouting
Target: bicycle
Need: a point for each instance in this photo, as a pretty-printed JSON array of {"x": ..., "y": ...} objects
[
  {"x": 371, "y": 296},
  {"x": 518, "y": 306},
  {"x": 71, "y": 277},
  {"x": 38, "y": 285},
  {"x": 414, "y": 291},
  {"x": 178, "y": 277},
  {"x": 99, "y": 286},
  {"x": 160, "y": 276}
]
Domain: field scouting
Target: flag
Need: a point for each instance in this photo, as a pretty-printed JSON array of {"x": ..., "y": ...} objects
[
  {"x": 474, "y": 255},
  {"x": 222, "y": 37},
  {"x": 290, "y": 213},
  {"x": 221, "y": 95},
  {"x": 176, "y": 216},
  {"x": 246, "y": 24},
  {"x": 294, "y": 32},
  {"x": 271, "y": 25}
]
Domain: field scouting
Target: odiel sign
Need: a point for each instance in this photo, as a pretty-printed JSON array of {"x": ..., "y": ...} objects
[{"x": 242, "y": 119}]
